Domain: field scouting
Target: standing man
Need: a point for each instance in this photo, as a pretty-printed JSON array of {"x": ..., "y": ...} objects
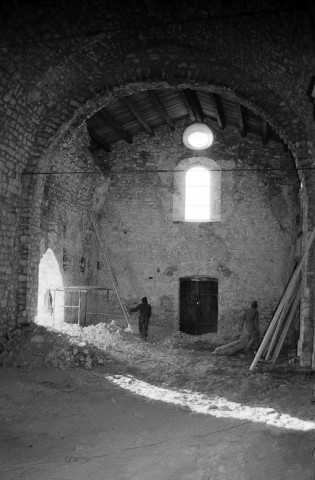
[
  {"x": 145, "y": 314},
  {"x": 251, "y": 320}
]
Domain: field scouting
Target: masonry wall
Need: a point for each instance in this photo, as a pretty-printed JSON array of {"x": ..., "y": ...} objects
[
  {"x": 61, "y": 202},
  {"x": 251, "y": 251}
]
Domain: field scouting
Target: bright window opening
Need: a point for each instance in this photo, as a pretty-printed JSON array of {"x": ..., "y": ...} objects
[
  {"x": 198, "y": 139},
  {"x": 198, "y": 136},
  {"x": 197, "y": 194}
]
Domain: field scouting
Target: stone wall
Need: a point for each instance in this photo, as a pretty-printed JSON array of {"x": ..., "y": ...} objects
[{"x": 251, "y": 251}]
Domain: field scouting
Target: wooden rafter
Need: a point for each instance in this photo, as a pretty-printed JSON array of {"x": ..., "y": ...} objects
[
  {"x": 189, "y": 110},
  {"x": 194, "y": 105},
  {"x": 137, "y": 115},
  {"x": 99, "y": 140},
  {"x": 242, "y": 120},
  {"x": 161, "y": 109},
  {"x": 264, "y": 132},
  {"x": 107, "y": 117},
  {"x": 217, "y": 106}
]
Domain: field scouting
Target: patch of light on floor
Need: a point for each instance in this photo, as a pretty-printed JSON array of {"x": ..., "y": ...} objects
[{"x": 217, "y": 406}]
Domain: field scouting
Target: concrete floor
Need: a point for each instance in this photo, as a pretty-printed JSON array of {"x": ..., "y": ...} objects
[{"x": 76, "y": 424}]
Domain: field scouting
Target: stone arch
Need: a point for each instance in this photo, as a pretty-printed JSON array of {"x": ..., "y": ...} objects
[
  {"x": 184, "y": 72},
  {"x": 209, "y": 76}
]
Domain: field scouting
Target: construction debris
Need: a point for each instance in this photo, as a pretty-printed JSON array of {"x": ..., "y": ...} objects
[
  {"x": 35, "y": 346},
  {"x": 178, "y": 361}
]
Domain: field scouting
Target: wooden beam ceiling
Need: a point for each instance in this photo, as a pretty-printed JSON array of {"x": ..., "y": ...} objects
[
  {"x": 133, "y": 115},
  {"x": 115, "y": 125},
  {"x": 217, "y": 107},
  {"x": 194, "y": 108},
  {"x": 161, "y": 109},
  {"x": 137, "y": 115}
]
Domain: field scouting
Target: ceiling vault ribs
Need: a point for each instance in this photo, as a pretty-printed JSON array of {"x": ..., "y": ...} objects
[
  {"x": 194, "y": 107},
  {"x": 115, "y": 125},
  {"x": 217, "y": 107},
  {"x": 161, "y": 109},
  {"x": 242, "y": 120},
  {"x": 99, "y": 140},
  {"x": 137, "y": 115}
]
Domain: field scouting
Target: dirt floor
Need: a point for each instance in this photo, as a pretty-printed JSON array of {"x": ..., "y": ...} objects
[{"x": 99, "y": 403}]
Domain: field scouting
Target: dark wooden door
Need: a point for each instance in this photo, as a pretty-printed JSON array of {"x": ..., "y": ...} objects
[{"x": 198, "y": 306}]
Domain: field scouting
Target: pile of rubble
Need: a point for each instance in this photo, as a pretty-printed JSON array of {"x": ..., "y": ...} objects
[{"x": 33, "y": 345}]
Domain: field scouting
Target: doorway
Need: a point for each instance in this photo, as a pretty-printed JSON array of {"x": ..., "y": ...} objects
[
  {"x": 198, "y": 305},
  {"x": 49, "y": 278}
]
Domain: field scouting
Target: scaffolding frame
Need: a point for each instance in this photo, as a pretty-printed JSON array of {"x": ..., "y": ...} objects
[{"x": 80, "y": 289}]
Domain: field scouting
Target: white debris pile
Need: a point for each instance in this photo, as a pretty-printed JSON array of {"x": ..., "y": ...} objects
[{"x": 101, "y": 335}]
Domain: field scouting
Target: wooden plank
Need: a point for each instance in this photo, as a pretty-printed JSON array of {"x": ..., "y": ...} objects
[
  {"x": 194, "y": 104},
  {"x": 242, "y": 120},
  {"x": 110, "y": 271},
  {"x": 228, "y": 345},
  {"x": 287, "y": 325},
  {"x": 99, "y": 140},
  {"x": 127, "y": 102},
  {"x": 239, "y": 345},
  {"x": 279, "y": 324},
  {"x": 287, "y": 293},
  {"x": 217, "y": 106},
  {"x": 107, "y": 117},
  {"x": 161, "y": 109}
]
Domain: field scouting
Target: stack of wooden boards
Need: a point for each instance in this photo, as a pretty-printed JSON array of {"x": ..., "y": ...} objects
[{"x": 286, "y": 313}]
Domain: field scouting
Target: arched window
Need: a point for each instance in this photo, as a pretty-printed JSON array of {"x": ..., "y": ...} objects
[
  {"x": 197, "y": 194},
  {"x": 197, "y": 191}
]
